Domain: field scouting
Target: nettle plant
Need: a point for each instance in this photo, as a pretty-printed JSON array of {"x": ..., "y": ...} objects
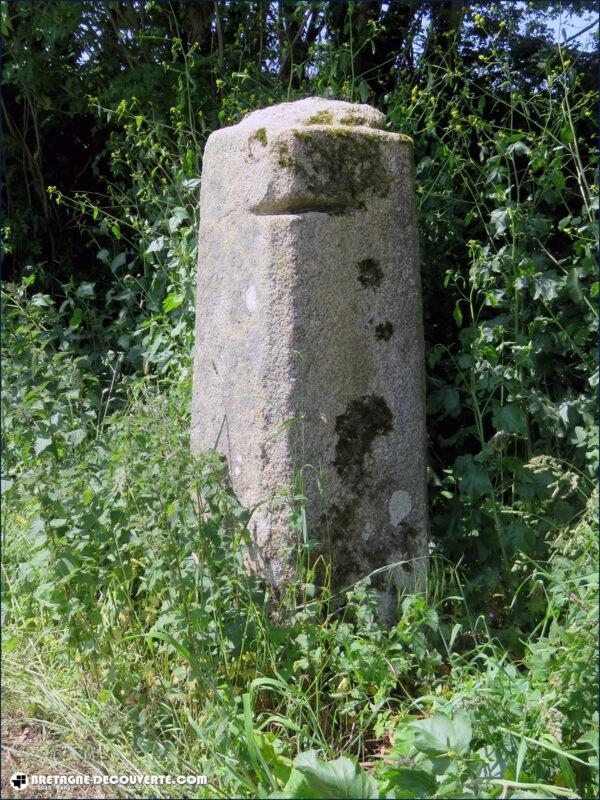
[
  {"x": 52, "y": 396},
  {"x": 508, "y": 204},
  {"x": 144, "y": 237}
]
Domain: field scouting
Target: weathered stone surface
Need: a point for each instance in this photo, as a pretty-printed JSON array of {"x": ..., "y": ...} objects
[{"x": 309, "y": 347}]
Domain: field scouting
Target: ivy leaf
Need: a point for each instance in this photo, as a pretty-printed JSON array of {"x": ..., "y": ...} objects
[{"x": 473, "y": 478}]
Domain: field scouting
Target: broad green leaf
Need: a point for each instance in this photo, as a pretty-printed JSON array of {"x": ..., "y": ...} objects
[
  {"x": 85, "y": 289},
  {"x": 546, "y": 285},
  {"x": 179, "y": 215},
  {"x": 76, "y": 318},
  {"x": 364, "y": 91},
  {"x": 156, "y": 245},
  {"x": 410, "y": 783},
  {"x": 295, "y": 788},
  {"x": 441, "y": 734},
  {"x": 566, "y": 134},
  {"x": 509, "y": 419},
  {"x": 574, "y": 287},
  {"x": 473, "y": 477},
  {"x": 499, "y": 221},
  {"x": 41, "y": 444},
  {"x": 117, "y": 261},
  {"x": 334, "y": 779},
  {"x": 41, "y": 300},
  {"x": 278, "y": 763},
  {"x": 171, "y": 302},
  {"x": 518, "y": 149},
  {"x": 76, "y": 437}
]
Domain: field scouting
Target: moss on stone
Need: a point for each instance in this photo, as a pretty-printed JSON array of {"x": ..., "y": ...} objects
[
  {"x": 338, "y": 163},
  {"x": 365, "y": 418},
  {"x": 370, "y": 273},
  {"x": 354, "y": 119},
  {"x": 285, "y": 160},
  {"x": 261, "y": 135},
  {"x": 384, "y": 331},
  {"x": 320, "y": 118}
]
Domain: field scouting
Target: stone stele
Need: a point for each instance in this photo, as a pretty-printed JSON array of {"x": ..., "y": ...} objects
[{"x": 309, "y": 366}]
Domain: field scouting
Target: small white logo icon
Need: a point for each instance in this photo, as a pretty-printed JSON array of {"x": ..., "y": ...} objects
[{"x": 19, "y": 780}]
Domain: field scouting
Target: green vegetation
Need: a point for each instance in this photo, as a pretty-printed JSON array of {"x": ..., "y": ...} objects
[
  {"x": 134, "y": 639},
  {"x": 261, "y": 135},
  {"x": 321, "y": 118}
]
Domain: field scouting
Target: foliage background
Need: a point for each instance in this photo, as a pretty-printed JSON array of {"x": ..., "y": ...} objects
[{"x": 106, "y": 109}]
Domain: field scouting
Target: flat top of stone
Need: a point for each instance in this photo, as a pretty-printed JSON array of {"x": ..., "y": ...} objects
[{"x": 314, "y": 111}]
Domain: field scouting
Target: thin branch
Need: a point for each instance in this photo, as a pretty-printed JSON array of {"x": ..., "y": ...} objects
[
  {"x": 220, "y": 37},
  {"x": 581, "y": 32}
]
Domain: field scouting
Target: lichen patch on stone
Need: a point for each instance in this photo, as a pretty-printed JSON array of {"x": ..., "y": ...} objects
[
  {"x": 370, "y": 273},
  {"x": 384, "y": 331},
  {"x": 251, "y": 299},
  {"x": 365, "y": 418},
  {"x": 399, "y": 506}
]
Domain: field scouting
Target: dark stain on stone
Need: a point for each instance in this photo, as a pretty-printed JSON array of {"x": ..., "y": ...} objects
[
  {"x": 364, "y": 419},
  {"x": 341, "y": 518},
  {"x": 409, "y": 537},
  {"x": 370, "y": 273},
  {"x": 384, "y": 331},
  {"x": 345, "y": 538}
]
